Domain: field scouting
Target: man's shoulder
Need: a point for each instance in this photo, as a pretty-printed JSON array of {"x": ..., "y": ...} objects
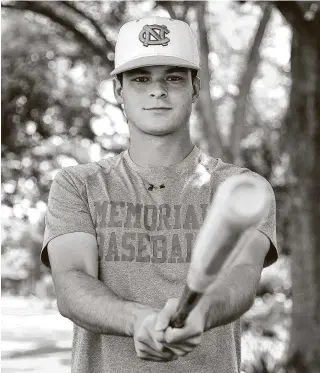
[
  {"x": 87, "y": 173},
  {"x": 82, "y": 172},
  {"x": 220, "y": 169},
  {"x": 225, "y": 169}
]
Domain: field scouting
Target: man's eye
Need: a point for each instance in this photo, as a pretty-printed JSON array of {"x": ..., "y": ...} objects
[
  {"x": 140, "y": 79},
  {"x": 174, "y": 78}
]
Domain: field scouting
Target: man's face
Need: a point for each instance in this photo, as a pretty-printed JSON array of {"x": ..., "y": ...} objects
[{"x": 157, "y": 99}]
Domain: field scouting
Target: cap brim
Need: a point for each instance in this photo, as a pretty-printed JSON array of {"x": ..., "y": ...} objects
[{"x": 153, "y": 61}]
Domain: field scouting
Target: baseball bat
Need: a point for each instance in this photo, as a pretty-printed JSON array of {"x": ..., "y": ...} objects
[{"x": 239, "y": 205}]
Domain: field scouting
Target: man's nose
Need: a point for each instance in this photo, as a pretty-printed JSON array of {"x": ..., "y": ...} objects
[{"x": 158, "y": 90}]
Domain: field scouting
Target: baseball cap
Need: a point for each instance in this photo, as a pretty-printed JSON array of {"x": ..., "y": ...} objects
[{"x": 155, "y": 41}]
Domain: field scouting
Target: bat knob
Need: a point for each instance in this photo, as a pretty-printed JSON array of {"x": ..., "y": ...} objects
[{"x": 178, "y": 319}]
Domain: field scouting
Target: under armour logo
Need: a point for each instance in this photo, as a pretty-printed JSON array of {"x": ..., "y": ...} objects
[
  {"x": 154, "y": 35},
  {"x": 151, "y": 187}
]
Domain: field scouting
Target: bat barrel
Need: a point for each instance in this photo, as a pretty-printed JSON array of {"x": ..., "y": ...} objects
[
  {"x": 239, "y": 205},
  {"x": 242, "y": 200}
]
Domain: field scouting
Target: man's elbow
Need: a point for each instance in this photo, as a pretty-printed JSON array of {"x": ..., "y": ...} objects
[
  {"x": 61, "y": 292},
  {"x": 63, "y": 309},
  {"x": 252, "y": 291},
  {"x": 245, "y": 294},
  {"x": 61, "y": 304},
  {"x": 250, "y": 302},
  {"x": 242, "y": 304}
]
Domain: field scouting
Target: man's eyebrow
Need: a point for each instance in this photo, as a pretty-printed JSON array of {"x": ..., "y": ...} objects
[
  {"x": 177, "y": 70},
  {"x": 170, "y": 70},
  {"x": 138, "y": 71}
]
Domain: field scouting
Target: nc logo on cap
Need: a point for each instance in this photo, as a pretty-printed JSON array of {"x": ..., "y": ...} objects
[{"x": 154, "y": 35}]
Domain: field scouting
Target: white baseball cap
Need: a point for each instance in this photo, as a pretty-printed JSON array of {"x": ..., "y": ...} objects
[{"x": 155, "y": 41}]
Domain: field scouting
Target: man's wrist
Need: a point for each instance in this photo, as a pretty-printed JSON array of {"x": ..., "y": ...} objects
[
  {"x": 138, "y": 312},
  {"x": 204, "y": 305}
]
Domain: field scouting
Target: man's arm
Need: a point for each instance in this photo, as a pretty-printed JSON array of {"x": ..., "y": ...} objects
[
  {"x": 81, "y": 297},
  {"x": 232, "y": 295},
  {"x": 89, "y": 303},
  {"x": 235, "y": 289},
  {"x": 72, "y": 250}
]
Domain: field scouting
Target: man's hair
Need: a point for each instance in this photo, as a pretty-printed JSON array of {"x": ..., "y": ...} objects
[{"x": 194, "y": 74}]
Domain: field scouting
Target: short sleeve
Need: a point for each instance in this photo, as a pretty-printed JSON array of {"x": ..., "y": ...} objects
[
  {"x": 268, "y": 227},
  {"x": 67, "y": 212}
]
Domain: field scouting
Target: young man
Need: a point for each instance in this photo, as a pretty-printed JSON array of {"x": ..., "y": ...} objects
[{"x": 119, "y": 232}]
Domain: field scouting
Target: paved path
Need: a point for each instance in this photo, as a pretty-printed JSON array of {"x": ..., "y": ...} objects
[
  {"x": 38, "y": 340},
  {"x": 34, "y": 339}
]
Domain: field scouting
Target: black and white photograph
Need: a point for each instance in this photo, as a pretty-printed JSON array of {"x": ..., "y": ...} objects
[{"x": 160, "y": 184}]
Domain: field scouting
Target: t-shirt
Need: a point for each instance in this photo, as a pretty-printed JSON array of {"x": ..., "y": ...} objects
[{"x": 145, "y": 221}]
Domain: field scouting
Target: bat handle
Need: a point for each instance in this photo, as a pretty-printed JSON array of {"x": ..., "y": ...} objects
[{"x": 188, "y": 301}]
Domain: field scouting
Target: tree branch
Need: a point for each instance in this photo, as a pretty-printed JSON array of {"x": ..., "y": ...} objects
[
  {"x": 294, "y": 15},
  {"x": 97, "y": 27},
  {"x": 245, "y": 85},
  {"x": 185, "y": 12},
  {"x": 66, "y": 23},
  {"x": 10, "y": 6},
  {"x": 168, "y": 7}
]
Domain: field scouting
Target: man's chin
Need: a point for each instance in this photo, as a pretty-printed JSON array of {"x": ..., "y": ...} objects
[
  {"x": 161, "y": 131},
  {"x": 153, "y": 128}
]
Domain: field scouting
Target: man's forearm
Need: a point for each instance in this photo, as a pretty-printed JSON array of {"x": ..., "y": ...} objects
[
  {"x": 89, "y": 303},
  {"x": 232, "y": 295}
]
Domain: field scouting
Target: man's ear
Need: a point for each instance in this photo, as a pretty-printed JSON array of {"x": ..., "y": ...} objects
[
  {"x": 196, "y": 89},
  {"x": 117, "y": 90}
]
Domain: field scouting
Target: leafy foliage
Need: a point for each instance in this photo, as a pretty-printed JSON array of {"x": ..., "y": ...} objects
[{"x": 56, "y": 94}]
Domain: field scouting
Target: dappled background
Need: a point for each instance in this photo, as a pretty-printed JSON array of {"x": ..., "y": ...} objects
[{"x": 259, "y": 107}]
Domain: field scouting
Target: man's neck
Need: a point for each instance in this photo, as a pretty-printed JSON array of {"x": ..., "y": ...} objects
[{"x": 155, "y": 151}]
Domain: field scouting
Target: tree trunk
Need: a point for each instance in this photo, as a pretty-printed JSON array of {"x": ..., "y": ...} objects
[
  {"x": 303, "y": 137},
  {"x": 214, "y": 145},
  {"x": 251, "y": 68}
]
